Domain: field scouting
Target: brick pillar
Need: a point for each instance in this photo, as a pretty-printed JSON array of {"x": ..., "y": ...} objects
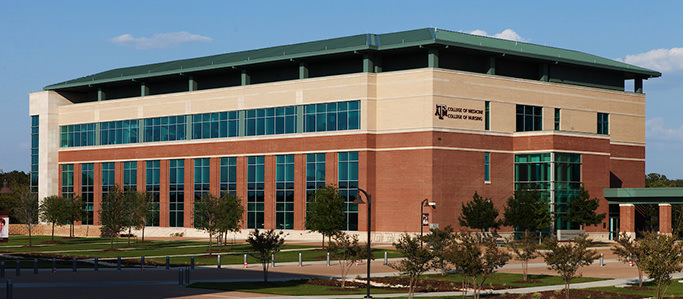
[
  {"x": 77, "y": 184},
  {"x": 665, "y": 218},
  {"x": 299, "y": 191},
  {"x": 215, "y": 176},
  {"x": 242, "y": 187},
  {"x": 331, "y": 166},
  {"x": 188, "y": 205},
  {"x": 363, "y": 184},
  {"x": 97, "y": 193},
  {"x": 141, "y": 180},
  {"x": 118, "y": 174},
  {"x": 269, "y": 193},
  {"x": 627, "y": 219},
  {"x": 164, "y": 189}
]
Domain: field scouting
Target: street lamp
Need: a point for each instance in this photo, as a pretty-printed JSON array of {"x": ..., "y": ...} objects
[
  {"x": 423, "y": 204},
  {"x": 360, "y": 201}
]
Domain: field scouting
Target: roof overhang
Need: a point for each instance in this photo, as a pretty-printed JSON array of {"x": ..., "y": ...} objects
[{"x": 643, "y": 195}]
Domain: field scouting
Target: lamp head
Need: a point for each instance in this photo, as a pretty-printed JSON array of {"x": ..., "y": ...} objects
[
  {"x": 432, "y": 204},
  {"x": 358, "y": 201}
]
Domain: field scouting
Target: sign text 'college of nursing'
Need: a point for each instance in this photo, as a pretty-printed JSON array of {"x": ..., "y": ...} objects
[{"x": 444, "y": 111}]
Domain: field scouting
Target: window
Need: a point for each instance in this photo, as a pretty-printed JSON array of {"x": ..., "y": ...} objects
[
  {"x": 77, "y": 135},
  {"x": 108, "y": 177},
  {"x": 215, "y": 125},
  {"x": 284, "y": 192},
  {"x": 87, "y": 192},
  {"x": 255, "y": 191},
  {"x": 167, "y": 128},
  {"x": 487, "y": 167},
  {"x": 348, "y": 186},
  {"x": 152, "y": 185},
  {"x": 487, "y": 115},
  {"x": 603, "y": 123},
  {"x": 176, "y": 183},
  {"x": 315, "y": 174},
  {"x": 557, "y": 119},
  {"x": 229, "y": 175},
  {"x": 332, "y": 116},
  {"x": 130, "y": 175},
  {"x": 119, "y": 132},
  {"x": 34, "y": 153},
  {"x": 269, "y": 121},
  {"x": 68, "y": 180},
  {"x": 529, "y": 118},
  {"x": 202, "y": 183}
]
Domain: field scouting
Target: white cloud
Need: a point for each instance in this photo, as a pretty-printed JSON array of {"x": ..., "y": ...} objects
[
  {"x": 159, "y": 40},
  {"x": 663, "y": 60},
  {"x": 508, "y": 34},
  {"x": 656, "y": 129}
]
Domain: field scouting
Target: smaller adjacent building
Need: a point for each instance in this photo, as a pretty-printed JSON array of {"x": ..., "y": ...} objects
[{"x": 642, "y": 209}]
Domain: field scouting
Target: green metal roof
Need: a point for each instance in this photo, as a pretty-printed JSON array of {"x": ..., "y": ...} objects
[
  {"x": 644, "y": 195},
  {"x": 349, "y": 44}
]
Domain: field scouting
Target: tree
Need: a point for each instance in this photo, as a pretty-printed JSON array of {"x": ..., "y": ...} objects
[
  {"x": 527, "y": 211},
  {"x": 325, "y": 213},
  {"x": 232, "y": 211},
  {"x": 264, "y": 246},
  {"x": 346, "y": 250},
  {"x": 566, "y": 259},
  {"x": 135, "y": 210},
  {"x": 54, "y": 209},
  {"x": 661, "y": 256},
  {"x": 438, "y": 240},
  {"x": 26, "y": 210},
  {"x": 208, "y": 216},
  {"x": 582, "y": 210},
  {"x": 74, "y": 209},
  {"x": 477, "y": 260},
  {"x": 525, "y": 250},
  {"x": 630, "y": 250},
  {"x": 415, "y": 262},
  {"x": 479, "y": 213},
  {"x": 145, "y": 205},
  {"x": 113, "y": 214}
]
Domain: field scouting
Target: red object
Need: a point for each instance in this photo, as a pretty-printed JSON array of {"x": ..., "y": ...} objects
[{"x": 630, "y": 263}]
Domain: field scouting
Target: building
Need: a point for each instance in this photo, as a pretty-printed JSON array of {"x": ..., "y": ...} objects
[{"x": 410, "y": 115}]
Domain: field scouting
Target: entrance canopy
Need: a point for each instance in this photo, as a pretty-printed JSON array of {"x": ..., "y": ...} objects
[{"x": 644, "y": 195}]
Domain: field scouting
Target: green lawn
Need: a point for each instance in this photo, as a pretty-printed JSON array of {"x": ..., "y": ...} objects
[
  {"x": 515, "y": 280},
  {"x": 674, "y": 290}
]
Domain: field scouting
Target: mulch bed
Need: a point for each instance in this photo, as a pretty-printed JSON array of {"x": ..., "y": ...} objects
[{"x": 572, "y": 294}]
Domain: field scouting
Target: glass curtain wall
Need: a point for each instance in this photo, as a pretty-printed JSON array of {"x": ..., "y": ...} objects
[
  {"x": 255, "y": 191},
  {"x": 284, "y": 192},
  {"x": 348, "y": 186}
]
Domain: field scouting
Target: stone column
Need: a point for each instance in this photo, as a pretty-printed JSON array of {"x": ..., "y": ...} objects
[{"x": 627, "y": 219}]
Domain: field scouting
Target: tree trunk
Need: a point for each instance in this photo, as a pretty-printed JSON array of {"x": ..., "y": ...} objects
[
  {"x": 210, "y": 235},
  {"x": 29, "y": 236},
  {"x": 265, "y": 272},
  {"x": 323, "y": 241},
  {"x": 129, "y": 229},
  {"x": 411, "y": 287},
  {"x": 53, "y": 231},
  {"x": 111, "y": 245},
  {"x": 143, "y": 234},
  {"x": 525, "y": 268},
  {"x": 640, "y": 277},
  {"x": 566, "y": 288}
]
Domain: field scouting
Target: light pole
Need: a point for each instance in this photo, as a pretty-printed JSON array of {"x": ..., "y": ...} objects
[
  {"x": 425, "y": 203},
  {"x": 360, "y": 201}
]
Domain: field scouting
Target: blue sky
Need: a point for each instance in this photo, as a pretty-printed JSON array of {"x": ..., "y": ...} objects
[{"x": 45, "y": 42}]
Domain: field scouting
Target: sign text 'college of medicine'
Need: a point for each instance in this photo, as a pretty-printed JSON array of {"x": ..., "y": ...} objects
[{"x": 444, "y": 111}]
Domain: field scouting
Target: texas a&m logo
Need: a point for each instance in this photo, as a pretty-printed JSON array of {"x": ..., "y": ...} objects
[{"x": 441, "y": 111}]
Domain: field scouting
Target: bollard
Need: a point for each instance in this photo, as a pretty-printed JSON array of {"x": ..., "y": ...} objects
[
  {"x": 218, "y": 262},
  {"x": 180, "y": 276},
  {"x": 300, "y": 259},
  {"x": 18, "y": 267},
  {"x": 9, "y": 289},
  {"x": 54, "y": 265},
  {"x": 168, "y": 262},
  {"x": 73, "y": 261},
  {"x": 272, "y": 260},
  {"x": 328, "y": 259},
  {"x": 386, "y": 258},
  {"x": 187, "y": 277},
  {"x": 35, "y": 266},
  {"x": 118, "y": 263},
  {"x": 602, "y": 259},
  {"x": 192, "y": 262},
  {"x": 245, "y": 260},
  {"x": 97, "y": 264},
  {"x": 2, "y": 269},
  {"x": 142, "y": 263}
]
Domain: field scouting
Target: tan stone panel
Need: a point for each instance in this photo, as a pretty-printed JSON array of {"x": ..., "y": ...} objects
[
  {"x": 548, "y": 118},
  {"x": 403, "y": 113},
  {"x": 460, "y": 113},
  {"x": 579, "y": 121},
  {"x": 624, "y": 128},
  {"x": 503, "y": 117}
]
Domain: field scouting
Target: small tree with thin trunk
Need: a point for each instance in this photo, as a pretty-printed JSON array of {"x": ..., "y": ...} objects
[
  {"x": 630, "y": 250},
  {"x": 208, "y": 216},
  {"x": 26, "y": 210},
  {"x": 75, "y": 211},
  {"x": 231, "y": 213},
  {"x": 346, "y": 250},
  {"x": 415, "y": 262},
  {"x": 135, "y": 210},
  {"x": 54, "y": 210},
  {"x": 661, "y": 257},
  {"x": 525, "y": 250},
  {"x": 438, "y": 240},
  {"x": 264, "y": 245},
  {"x": 566, "y": 259},
  {"x": 144, "y": 205},
  {"x": 112, "y": 214},
  {"x": 479, "y": 213},
  {"x": 477, "y": 260},
  {"x": 325, "y": 213}
]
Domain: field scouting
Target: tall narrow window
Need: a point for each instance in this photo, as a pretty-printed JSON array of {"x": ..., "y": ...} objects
[
  {"x": 603, "y": 123},
  {"x": 229, "y": 175},
  {"x": 108, "y": 177},
  {"x": 34, "y": 153},
  {"x": 255, "y": 191},
  {"x": 68, "y": 180},
  {"x": 487, "y": 115},
  {"x": 130, "y": 175},
  {"x": 201, "y": 183},
  {"x": 284, "y": 192},
  {"x": 315, "y": 174},
  {"x": 348, "y": 186},
  {"x": 176, "y": 183},
  {"x": 557, "y": 119},
  {"x": 152, "y": 185},
  {"x": 87, "y": 192},
  {"x": 529, "y": 118},
  {"x": 487, "y": 167}
]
